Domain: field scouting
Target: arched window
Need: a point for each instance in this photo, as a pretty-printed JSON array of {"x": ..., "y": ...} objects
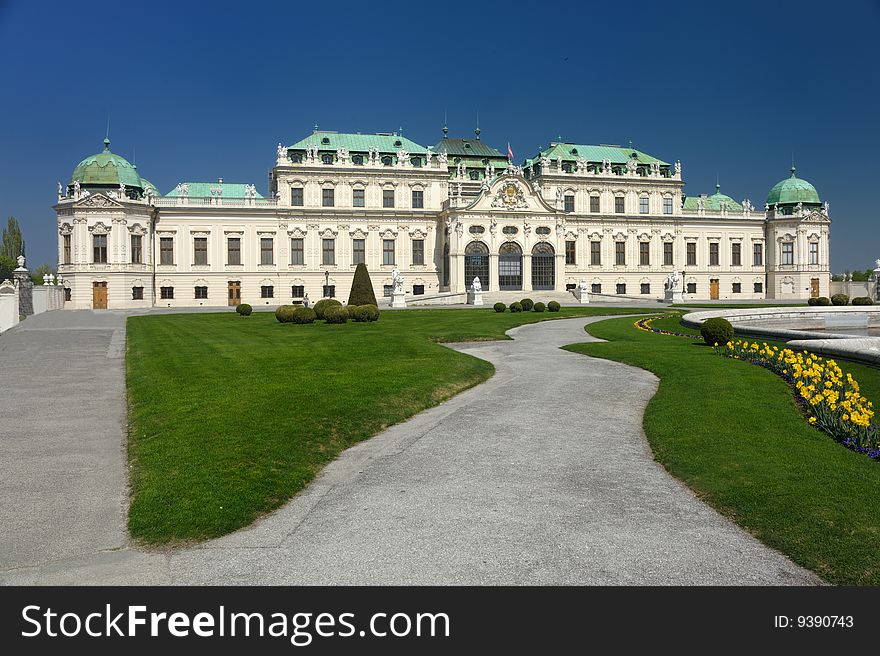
[
  {"x": 357, "y": 160},
  {"x": 510, "y": 266},
  {"x": 476, "y": 264},
  {"x": 327, "y": 158},
  {"x": 387, "y": 160},
  {"x": 566, "y": 167},
  {"x": 474, "y": 175},
  {"x": 415, "y": 161}
]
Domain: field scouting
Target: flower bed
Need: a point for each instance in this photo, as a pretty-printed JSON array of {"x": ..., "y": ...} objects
[{"x": 645, "y": 324}]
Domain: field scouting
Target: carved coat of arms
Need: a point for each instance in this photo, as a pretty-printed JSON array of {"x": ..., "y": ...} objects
[{"x": 510, "y": 196}]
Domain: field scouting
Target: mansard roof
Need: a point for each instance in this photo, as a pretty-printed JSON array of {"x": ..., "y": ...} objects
[
  {"x": 467, "y": 148},
  {"x": 203, "y": 190},
  {"x": 359, "y": 143},
  {"x": 571, "y": 152},
  {"x": 712, "y": 203}
]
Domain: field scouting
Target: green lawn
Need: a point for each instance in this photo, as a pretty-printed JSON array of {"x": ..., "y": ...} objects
[
  {"x": 732, "y": 432},
  {"x": 229, "y": 417}
]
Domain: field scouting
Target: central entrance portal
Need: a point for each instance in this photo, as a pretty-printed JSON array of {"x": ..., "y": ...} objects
[
  {"x": 510, "y": 266},
  {"x": 543, "y": 266},
  {"x": 476, "y": 264}
]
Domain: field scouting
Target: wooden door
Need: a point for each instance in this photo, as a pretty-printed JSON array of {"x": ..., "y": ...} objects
[
  {"x": 99, "y": 296},
  {"x": 814, "y": 288},
  {"x": 234, "y": 292},
  {"x": 713, "y": 289}
]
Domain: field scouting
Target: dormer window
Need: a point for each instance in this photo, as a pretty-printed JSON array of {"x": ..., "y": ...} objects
[
  {"x": 467, "y": 145},
  {"x": 386, "y": 161},
  {"x": 474, "y": 175},
  {"x": 415, "y": 161},
  {"x": 574, "y": 151},
  {"x": 296, "y": 158},
  {"x": 357, "y": 160},
  {"x": 325, "y": 140},
  {"x": 327, "y": 158},
  {"x": 566, "y": 167},
  {"x": 398, "y": 144}
]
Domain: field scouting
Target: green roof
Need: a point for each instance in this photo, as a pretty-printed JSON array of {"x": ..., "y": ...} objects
[
  {"x": 793, "y": 190},
  {"x": 359, "y": 143},
  {"x": 713, "y": 203},
  {"x": 571, "y": 152},
  {"x": 467, "y": 148},
  {"x": 203, "y": 190},
  {"x": 149, "y": 185},
  {"x": 106, "y": 169}
]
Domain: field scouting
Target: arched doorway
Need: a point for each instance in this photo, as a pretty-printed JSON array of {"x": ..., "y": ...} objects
[
  {"x": 543, "y": 266},
  {"x": 510, "y": 266},
  {"x": 476, "y": 264}
]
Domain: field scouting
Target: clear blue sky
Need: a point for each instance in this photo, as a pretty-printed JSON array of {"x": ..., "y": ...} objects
[{"x": 201, "y": 91}]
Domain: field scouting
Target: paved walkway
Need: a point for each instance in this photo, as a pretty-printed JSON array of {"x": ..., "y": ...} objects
[{"x": 541, "y": 475}]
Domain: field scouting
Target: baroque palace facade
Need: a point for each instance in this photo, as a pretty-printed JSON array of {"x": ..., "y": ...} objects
[{"x": 613, "y": 217}]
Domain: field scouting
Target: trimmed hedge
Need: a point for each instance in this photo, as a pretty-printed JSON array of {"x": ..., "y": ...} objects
[
  {"x": 553, "y": 306},
  {"x": 304, "y": 315},
  {"x": 839, "y": 299},
  {"x": 335, "y": 314},
  {"x": 244, "y": 309},
  {"x": 366, "y": 312},
  {"x": 813, "y": 300},
  {"x": 862, "y": 300},
  {"x": 499, "y": 307},
  {"x": 539, "y": 307},
  {"x": 351, "y": 309},
  {"x": 285, "y": 313},
  {"x": 361, "y": 288},
  {"x": 527, "y": 304},
  {"x": 322, "y": 305},
  {"x": 516, "y": 306},
  {"x": 823, "y": 300},
  {"x": 716, "y": 331}
]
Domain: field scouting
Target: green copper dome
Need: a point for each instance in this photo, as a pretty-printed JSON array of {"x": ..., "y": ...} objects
[
  {"x": 106, "y": 169},
  {"x": 793, "y": 190}
]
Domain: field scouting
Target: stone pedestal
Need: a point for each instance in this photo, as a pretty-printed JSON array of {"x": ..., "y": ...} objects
[
  {"x": 398, "y": 300},
  {"x": 474, "y": 298},
  {"x": 582, "y": 296},
  {"x": 25, "y": 285},
  {"x": 674, "y": 296}
]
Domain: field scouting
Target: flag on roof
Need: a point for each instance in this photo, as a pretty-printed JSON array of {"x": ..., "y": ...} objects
[{"x": 509, "y": 152}]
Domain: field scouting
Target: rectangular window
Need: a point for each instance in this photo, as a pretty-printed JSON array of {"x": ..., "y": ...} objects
[
  {"x": 296, "y": 196},
  {"x": 596, "y": 288},
  {"x": 329, "y": 291},
  {"x": 358, "y": 251},
  {"x": 758, "y": 254},
  {"x": 814, "y": 253},
  {"x": 644, "y": 253},
  {"x": 418, "y": 290},
  {"x": 645, "y": 288},
  {"x": 735, "y": 254},
  {"x": 759, "y": 287},
  {"x": 570, "y": 252},
  {"x": 418, "y": 199},
  {"x": 67, "y": 294},
  {"x": 136, "y": 249},
  {"x": 267, "y": 291},
  {"x": 418, "y": 251},
  {"x": 298, "y": 291},
  {"x": 297, "y": 251},
  {"x": 596, "y": 253},
  {"x": 137, "y": 293},
  {"x": 618, "y": 204},
  {"x": 328, "y": 197},
  {"x": 667, "y": 253},
  {"x": 387, "y": 198},
  {"x": 737, "y": 287},
  {"x": 594, "y": 204},
  {"x": 713, "y": 253},
  {"x": 643, "y": 205},
  {"x": 201, "y": 292},
  {"x": 692, "y": 253},
  {"x": 387, "y": 251},
  {"x": 621, "y": 288},
  {"x": 328, "y": 252},
  {"x": 692, "y": 288},
  {"x": 620, "y": 253},
  {"x": 233, "y": 250},
  {"x": 667, "y": 206},
  {"x": 386, "y": 290},
  {"x": 788, "y": 253},
  {"x": 166, "y": 250},
  {"x": 267, "y": 251},
  {"x": 569, "y": 203},
  {"x": 99, "y": 242},
  {"x": 200, "y": 250},
  {"x": 166, "y": 293},
  {"x": 357, "y": 198},
  {"x": 65, "y": 257}
]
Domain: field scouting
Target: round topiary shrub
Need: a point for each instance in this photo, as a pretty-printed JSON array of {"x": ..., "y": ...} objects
[
  {"x": 527, "y": 304},
  {"x": 815, "y": 300},
  {"x": 539, "y": 307},
  {"x": 516, "y": 306},
  {"x": 244, "y": 309},
  {"x": 336, "y": 314},
  {"x": 553, "y": 306},
  {"x": 823, "y": 300},
  {"x": 372, "y": 311},
  {"x": 839, "y": 299},
  {"x": 499, "y": 307},
  {"x": 351, "y": 309},
  {"x": 322, "y": 305},
  {"x": 285, "y": 313},
  {"x": 304, "y": 315},
  {"x": 862, "y": 300},
  {"x": 359, "y": 314},
  {"x": 716, "y": 331}
]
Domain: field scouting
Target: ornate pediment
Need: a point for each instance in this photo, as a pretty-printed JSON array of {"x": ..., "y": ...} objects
[
  {"x": 98, "y": 200},
  {"x": 816, "y": 217},
  {"x": 137, "y": 229},
  {"x": 510, "y": 196},
  {"x": 357, "y": 233},
  {"x": 99, "y": 229}
]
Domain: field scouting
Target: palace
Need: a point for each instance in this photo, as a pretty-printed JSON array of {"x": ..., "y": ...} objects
[{"x": 611, "y": 216}]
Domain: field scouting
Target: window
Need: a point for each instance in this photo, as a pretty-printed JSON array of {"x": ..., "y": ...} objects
[
  {"x": 136, "y": 249},
  {"x": 735, "y": 254},
  {"x": 137, "y": 293},
  {"x": 357, "y": 160},
  {"x": 267, "y": 251},
  {"x": 296, "y": 251},
  {"x": 296, "y": 196},
  {"x": 618, "y": 204},
  {"x": 692, "y": 253},
  {"x": 67, "y": 294},
  {"x": 296, "y": 158},
  {"x": 298, "y": 291},
  {"x": 387, "y": 251},
  {"x": 543, "y": 230},
  {"x": 166, "y": 293},
  {"x": 692, "y": 288},
  {"x": 233, "y": 250},
  {"x": 386, "y": 290},
  {"x": 566, "y": 167},
  {"x": 570, "y": 252},
  {"x": 569, "y": 202},
  {"x": 166, "y": 250},
  {"x": 418, "y": 198},
  {"x": 509, "y": 230},
  {"x": 643, "y": 204},
  {"x": 202, "y": 292},
  {"x": 667, "y": 206},
  {"x": 418, "y": 251},
  {"x": 358, "y": 251},
  {"x": 757, "y": 254},
  {"x": 713, "y": 253},
  {"x": 200, "y": 248},
  {"x": 327, "y": 158},
  {"x": 474, "y": 175},
  {"x": 416, "y": 162},
  {"x": 99, "y": 243},
  {"x": 667, "y": 253},
  {"x": 759, "y": 287},
  {"x": 814, "y": 252},
  {"x": 596, "y": 288},
  {"x": 620, "y": 253},
  {"x": 418, "y": 290},
  {"x": 65, "y": 258},
  {"x": 328, "y": 197},
  {"x": 387, "y": 198},
  {"x": 329, "y": 291},
  {"x": 621, "y": 288},
  {"x": 595, "y": 253},
  {"x": 788, "y": 253},
  {"x": 645, "y": 288},
  {"x": 737, "y": 287},
  {"x": 328, "y": 252},
  {"x": 357, "y": 197},
  {"x": 267, "y": 291},
  {"x": 594, "y": 204},
  {"x": 644, "y": 253},
  {"x": 387, "y": 160}
]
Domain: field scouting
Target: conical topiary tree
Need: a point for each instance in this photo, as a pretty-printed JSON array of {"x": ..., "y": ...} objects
[{"x": 361, "y": 287}]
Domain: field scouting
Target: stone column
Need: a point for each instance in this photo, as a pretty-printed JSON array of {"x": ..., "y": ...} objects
[
  {"x": 527, "y": 272},
  {"x": 492, "y": 283}
]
